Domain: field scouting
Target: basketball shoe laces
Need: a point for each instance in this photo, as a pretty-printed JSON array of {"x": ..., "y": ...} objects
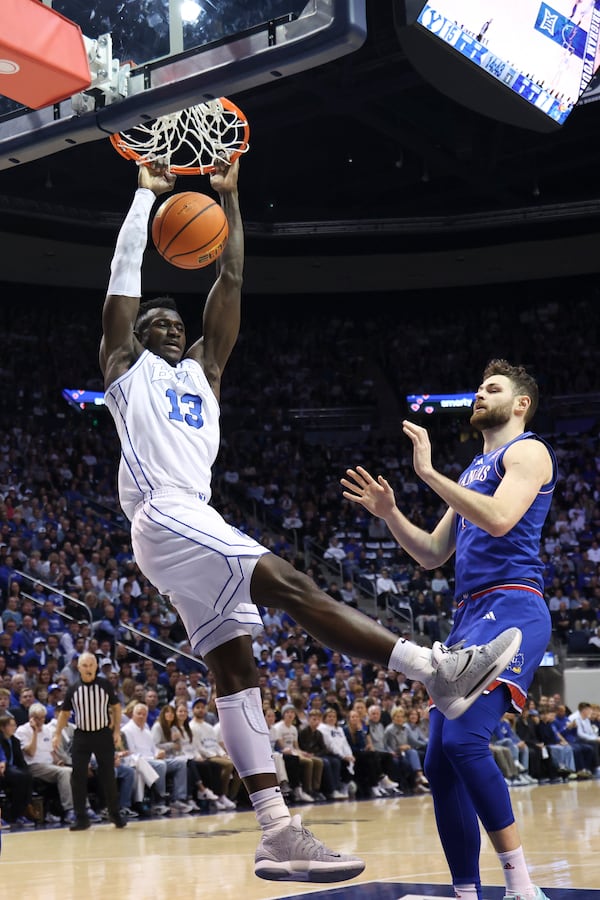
[
  {"x": 461, "y": 661},
  {"x": 307, "y": 846}
]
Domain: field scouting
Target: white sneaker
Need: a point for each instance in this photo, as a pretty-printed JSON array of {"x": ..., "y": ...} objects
[
  {"x": 387, "y": 784},
  {"x": 301, "y": 796},
  {"x": 129, "y": 813},
  {"x": 515, "y": 781},
  {"x": 377, "y": 792},
  {"x": 539, "y": 895},
  {"x": 351, "y": 789},
  {"x": 338, "y": 795},
  {"x": 160, "y": 810},
  {"x": 181, "y": 806},
  {"x": 206, "y": 794},
  {"x": 293, "y": 853},
  {"x": 461, "y": 674},
  {"x": 51, "y": 819},
  {"x": 223, "y": 804}
]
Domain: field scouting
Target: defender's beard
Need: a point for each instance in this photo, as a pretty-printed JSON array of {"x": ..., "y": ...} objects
[{"x": 491, "y": 418}]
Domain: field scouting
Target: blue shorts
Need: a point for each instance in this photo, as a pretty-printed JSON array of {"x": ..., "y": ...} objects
[{"x": 485, "y": 614}]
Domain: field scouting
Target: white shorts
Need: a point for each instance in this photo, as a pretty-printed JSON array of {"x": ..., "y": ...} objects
[{"x": 189, "y": 552}]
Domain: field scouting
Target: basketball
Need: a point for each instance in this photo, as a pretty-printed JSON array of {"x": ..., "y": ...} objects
[{"x": 190, "y": 230}]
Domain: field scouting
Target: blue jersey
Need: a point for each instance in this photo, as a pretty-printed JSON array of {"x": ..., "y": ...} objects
[{"x": 483, "y": 561}]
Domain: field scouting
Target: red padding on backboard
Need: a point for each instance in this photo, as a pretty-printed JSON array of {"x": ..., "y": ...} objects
[{"x": 43, "y": 58}]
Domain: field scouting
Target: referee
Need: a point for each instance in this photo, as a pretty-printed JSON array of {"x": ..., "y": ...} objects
[{"x": 97, "y": 715}]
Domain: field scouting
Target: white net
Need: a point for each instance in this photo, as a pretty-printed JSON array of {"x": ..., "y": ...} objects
[{"x": 188, "y": 140}]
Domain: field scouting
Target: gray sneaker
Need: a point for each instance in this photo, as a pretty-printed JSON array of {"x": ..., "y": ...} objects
[
  {"x": 294, "y": 854},
  {"x": 463, "y": 673}
]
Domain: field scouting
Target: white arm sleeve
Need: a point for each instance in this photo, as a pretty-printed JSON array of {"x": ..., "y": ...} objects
[{"x": 126, "y": 267}]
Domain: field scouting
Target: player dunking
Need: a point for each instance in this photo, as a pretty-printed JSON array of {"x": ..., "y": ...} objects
[
  {"x": 493, "y": 523},
  {"x": 164, "y": 400}
]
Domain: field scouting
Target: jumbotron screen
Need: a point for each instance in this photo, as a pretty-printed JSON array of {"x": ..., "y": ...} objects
[{"x": 543, "y": 53}]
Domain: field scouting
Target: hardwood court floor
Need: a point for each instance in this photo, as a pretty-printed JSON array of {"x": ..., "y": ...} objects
[{"x": 211, "y": 856}]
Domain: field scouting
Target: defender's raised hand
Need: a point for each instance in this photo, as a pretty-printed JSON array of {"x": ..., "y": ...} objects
[
  {"x": 376, "y": 496},
  {"x": 421, "y": 448}
]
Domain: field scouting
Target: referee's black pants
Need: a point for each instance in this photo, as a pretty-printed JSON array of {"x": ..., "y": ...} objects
[{"x": 101, "y": 745}]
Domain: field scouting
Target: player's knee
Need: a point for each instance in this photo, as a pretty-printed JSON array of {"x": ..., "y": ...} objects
[
  {"x": 454, "y": 749},
  {"x": 233, "y": 678},
  {"x": 463, "y": 749},
  {"x": 277, "y": 583}
]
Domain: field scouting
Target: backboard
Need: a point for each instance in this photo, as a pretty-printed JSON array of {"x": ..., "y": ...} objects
[{"x": 176, "y": 53}]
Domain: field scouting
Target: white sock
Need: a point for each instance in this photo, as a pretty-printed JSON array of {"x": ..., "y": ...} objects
[
  {"x": 246, "y": 735},
  {"x": 271, "y": 812},
  {"x": 466, "y": 892},
  {"x": 411, "y": 659},
  {"x": 516, "y": 875}
]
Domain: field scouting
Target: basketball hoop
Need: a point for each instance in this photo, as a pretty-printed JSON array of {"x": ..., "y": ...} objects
[{"x": 189, "y": 140}]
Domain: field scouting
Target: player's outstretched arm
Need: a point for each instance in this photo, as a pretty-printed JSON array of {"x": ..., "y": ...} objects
[
  {"x": 119, "y": 347},
  {"x": 377, "y": 497},
  {"x": 527, "y": 467},
  {"x": 221, "y": 320}
]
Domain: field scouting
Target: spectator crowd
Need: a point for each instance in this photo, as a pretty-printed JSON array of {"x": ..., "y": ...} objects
[{"x": 340, "y": 727}]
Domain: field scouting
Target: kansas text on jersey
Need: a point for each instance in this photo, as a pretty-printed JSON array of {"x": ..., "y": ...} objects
[{"x": 483, "y": 560}]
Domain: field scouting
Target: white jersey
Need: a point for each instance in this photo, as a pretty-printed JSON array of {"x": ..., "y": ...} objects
[{"x": 167, "y": 419}]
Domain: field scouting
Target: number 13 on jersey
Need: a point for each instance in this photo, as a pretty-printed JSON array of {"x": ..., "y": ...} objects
[{"x": 185, "y": 408}]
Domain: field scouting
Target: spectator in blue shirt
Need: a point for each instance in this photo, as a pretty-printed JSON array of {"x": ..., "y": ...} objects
[
  {"x": 12, "y": 657},
  {"x": 28, "y": 632},
  {"x": 56, "y": 623},
  {"x": 17, "y": 643},
  {"x": 582, "y": 752},
  {"x": 11, "y": 610},
  {"x": 505, "y": 735}
]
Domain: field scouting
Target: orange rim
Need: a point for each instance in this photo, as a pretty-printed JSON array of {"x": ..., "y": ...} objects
[{"x": 117, "y": 140}]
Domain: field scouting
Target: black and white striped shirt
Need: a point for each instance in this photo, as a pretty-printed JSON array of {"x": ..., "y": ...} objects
[{"x": 90, "y": 703}]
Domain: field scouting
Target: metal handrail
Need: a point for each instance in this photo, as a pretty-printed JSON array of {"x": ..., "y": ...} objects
[
  {"x": 68, "y": 597},
  {"x": 164, "y": 644},
  {"x": 53, "y": 590}
]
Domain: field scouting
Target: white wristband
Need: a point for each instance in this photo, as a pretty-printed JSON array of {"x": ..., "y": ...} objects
[{"x": 126, "y": 267}]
